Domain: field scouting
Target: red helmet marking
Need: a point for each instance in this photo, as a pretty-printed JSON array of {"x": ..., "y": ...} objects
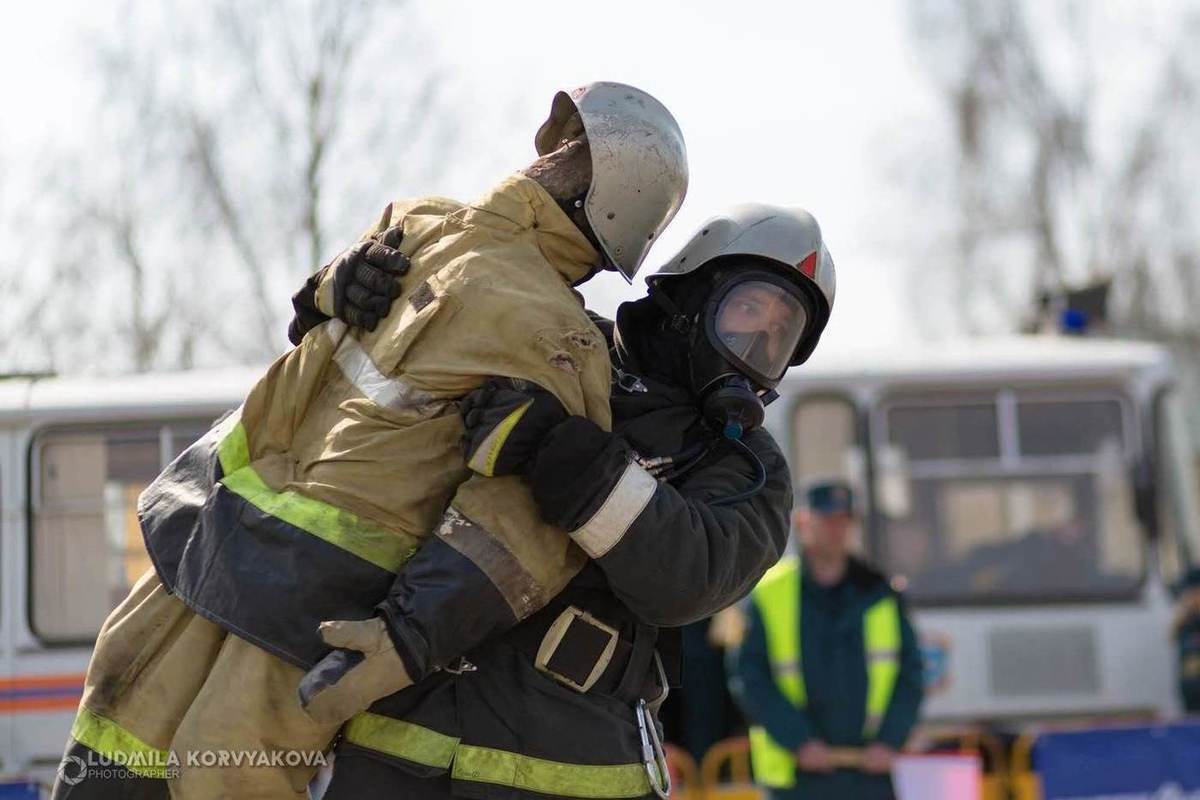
[{"x": 809, "y": 265}]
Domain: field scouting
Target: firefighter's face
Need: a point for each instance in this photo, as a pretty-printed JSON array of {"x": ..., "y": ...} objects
[{"x": 760, "y": 323}]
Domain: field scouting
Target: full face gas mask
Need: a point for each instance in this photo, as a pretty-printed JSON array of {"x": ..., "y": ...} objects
[
  {"x": 751, "y": 327},
  {"x": 750, "y": 294},
  {"x": 743, "y": 335}
]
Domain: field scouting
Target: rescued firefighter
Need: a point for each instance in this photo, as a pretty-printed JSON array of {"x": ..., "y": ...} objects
[
  {"x": 681, "y": 508},
  {"x": 306, "y": 503}
]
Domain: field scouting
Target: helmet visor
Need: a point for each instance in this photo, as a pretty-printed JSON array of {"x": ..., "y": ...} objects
[{"x": 759, "y": 324}]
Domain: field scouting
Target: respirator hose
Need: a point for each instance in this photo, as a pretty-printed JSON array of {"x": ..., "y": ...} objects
[{"x": 760, "y": 477}]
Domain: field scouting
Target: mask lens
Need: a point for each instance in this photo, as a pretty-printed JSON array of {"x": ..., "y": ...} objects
[{"x": 760, "y": 325}]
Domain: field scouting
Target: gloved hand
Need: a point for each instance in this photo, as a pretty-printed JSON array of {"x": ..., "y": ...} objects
[
  {"x": 304, "y": 302},
  {"x": 506, "y": 420},
  {"x": 357, "y": 287},
  {"x": 345, "y": 683},
  {"x": 362, "y": 282}
]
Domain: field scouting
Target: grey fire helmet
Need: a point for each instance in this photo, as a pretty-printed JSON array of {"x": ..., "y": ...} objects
[{"x": 639, "y": 166}]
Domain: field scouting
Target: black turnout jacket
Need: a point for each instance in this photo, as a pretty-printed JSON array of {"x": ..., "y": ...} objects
[{"x": 678, "y": 559}]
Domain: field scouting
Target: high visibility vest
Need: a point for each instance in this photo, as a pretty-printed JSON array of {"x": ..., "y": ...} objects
[{"x": 777, "y": 598}]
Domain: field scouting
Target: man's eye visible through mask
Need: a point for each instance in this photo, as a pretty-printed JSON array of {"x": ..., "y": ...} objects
[{"x": 750, "y": 308}]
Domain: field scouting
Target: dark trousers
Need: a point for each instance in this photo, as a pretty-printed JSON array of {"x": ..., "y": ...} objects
[{"x": 360, "y": 777}]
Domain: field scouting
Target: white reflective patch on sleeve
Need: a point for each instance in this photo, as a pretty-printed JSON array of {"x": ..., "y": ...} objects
[
  {"x": 610, "y": 523},
  {"x": 360, "y": 370}
]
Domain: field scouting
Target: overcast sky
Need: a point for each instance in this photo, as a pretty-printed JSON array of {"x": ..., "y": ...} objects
[
  {"x": 782, "y": 102},
  {"x": 797, "y": 103},
  {"x": 779, "y": 102}
]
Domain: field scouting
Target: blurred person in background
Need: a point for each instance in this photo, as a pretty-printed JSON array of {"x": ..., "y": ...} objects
[
  {"x": 1186, "y": 632},
  {"x": 332, "y": 519},
  {"x": 703, "y": 712},
  {"x": 681, "y": 508},
  {"x": 830, "y": 670}
]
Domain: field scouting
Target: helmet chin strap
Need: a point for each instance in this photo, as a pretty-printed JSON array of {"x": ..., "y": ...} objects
[{"x": 591, "y": 273}]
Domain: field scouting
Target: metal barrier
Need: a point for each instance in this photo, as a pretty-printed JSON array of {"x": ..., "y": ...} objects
[
  {"x": 725, "y": 772},
  {"x": 995, "y": 779},
  {"x": 730, "y": 757},
  {"x": 1025, "y": 783},
  {"x": 685, "y": 775}
]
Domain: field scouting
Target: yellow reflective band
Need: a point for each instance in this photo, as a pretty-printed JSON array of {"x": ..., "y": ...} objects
[
  {"x": 501, "y": 767},
  {"x": 234, "y": 449},
  {"x": 881, "y": 633},
  {"x": 774, "y": 766},
  {"x": 777, "y": 598},
  {"x": 488, "y": 452},
  {"x": 113, "y": 742},
  {"x": 387, "y": 549},
  {"x": 401, "y": 739},
  {"x": 422, "y": 745}
]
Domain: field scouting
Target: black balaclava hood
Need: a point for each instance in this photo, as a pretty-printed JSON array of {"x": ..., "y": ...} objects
[{"x": 647, "y": 344}]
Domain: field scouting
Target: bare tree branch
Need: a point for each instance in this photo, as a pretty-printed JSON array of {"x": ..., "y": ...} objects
[
  {"x": 211, "y": 186},
  {"x": 1028, "y": 178},
  {"x": 213, "y": 179}
]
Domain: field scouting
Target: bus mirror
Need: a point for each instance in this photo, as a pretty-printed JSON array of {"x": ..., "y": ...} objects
[{"x": 895, "y": 497}]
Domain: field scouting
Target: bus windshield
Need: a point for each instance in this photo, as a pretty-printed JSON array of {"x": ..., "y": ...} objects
[
  {"x": 1179, "y": 507},
  {"x": 1009, "y": 496}
]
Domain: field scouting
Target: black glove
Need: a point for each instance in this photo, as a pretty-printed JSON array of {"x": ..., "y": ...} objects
[
  {"x": 506, "y": 420},
  {"x": 365, "y": 280},
  {"x": 304, "y": 303}
]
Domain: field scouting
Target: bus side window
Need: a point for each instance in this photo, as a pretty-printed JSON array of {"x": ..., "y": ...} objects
[
  {"x": 1017, "y": 494},
  {"x": 86, "y": 548},
  {"x": 825, "y": 441}
]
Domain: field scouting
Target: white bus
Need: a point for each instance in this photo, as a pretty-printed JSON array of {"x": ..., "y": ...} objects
[
  {"x": 74, "y": 455},
  {"x": 1036, "y": 496},
  {"x": 1036, "y": 499}
]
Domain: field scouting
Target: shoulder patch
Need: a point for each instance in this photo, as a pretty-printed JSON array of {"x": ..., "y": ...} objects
[{"x": 423, "y": 296}]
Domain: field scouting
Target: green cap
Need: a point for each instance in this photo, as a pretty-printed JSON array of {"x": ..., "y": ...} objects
[{"x": 829, "y": 497}]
